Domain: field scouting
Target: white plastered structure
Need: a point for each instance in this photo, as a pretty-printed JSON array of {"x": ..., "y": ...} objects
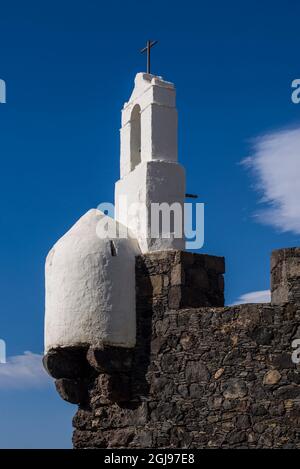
[
  {"x": 149, "y": 169},
  {"x": 90, "y": 288},
  {"x": 90, "y": 279}
]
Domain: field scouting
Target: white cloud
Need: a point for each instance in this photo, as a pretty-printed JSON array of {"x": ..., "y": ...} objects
[
  {"x": 275, "y": 164},
  {"x": 23, "y": 371},
  {"x": 263, "y": 296}
]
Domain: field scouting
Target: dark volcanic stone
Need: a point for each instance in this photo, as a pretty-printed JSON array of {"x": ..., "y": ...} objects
[
  {"x": 196, "y": 372},
  {"x": 114, "y": 388},
  {"x": 283, "y": 361},
  {"x": 262, "y": 335},
  {"x": 234, "y": 389},
  {"x": 110, "y": 359},
  {"x": 67, "y": 362},
  {"x": 288, "y": 392},
  {"x": 73, "y": 391}
]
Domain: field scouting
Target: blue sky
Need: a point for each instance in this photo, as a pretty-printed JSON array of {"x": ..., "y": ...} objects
[{"x": 69, "y": 67}]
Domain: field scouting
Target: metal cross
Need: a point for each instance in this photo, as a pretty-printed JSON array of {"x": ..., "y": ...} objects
[{"x": 148, "y": 50}]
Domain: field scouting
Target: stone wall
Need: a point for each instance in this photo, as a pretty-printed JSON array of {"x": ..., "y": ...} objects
[
  {"x": 285, "y": 276},
  {"x": 201, "y": 375}
]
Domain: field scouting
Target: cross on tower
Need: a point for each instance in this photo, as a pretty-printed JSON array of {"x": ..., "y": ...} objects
[{"x": 148, "y": 50}]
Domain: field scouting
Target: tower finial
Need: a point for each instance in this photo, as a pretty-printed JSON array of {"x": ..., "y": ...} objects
[{"x": 147, "y": 49}]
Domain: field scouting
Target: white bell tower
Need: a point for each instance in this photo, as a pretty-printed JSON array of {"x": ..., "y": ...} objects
[{"x": 149, "y": 170}]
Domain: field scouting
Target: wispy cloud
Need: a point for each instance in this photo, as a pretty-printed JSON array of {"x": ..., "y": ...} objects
[
  {"x": 263, "y": 296},
  {"x": 23, "y": 371},
  {"x": 275, "y": 164}
]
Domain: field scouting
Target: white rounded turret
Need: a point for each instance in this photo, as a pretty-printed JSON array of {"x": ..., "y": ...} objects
[{"x": 90, "y": 287}]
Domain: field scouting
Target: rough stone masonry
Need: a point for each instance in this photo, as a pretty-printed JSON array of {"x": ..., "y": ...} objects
[{"x": 201, "y": 375}]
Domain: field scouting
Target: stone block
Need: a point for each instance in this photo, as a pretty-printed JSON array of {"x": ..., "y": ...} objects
[
  {"x": 113, "y": 388},
  {"x": 110, "y": 359},
  {"x": 174, "y": 297},
  {"x": 177, "y": 275},
  {"x": 67, "y": 362},
  {"x": 189, "y": 279},
  {"x": 73, "y": 391},
  {"x": 285, "y": 276},
  {"x": 234, "y": 389},
  {"x": 156, "y": 284},
  {"x": 272, "y": 377}
]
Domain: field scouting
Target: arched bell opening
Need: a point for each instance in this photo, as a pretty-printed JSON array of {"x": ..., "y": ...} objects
[{"x": 135, "y": 140}]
